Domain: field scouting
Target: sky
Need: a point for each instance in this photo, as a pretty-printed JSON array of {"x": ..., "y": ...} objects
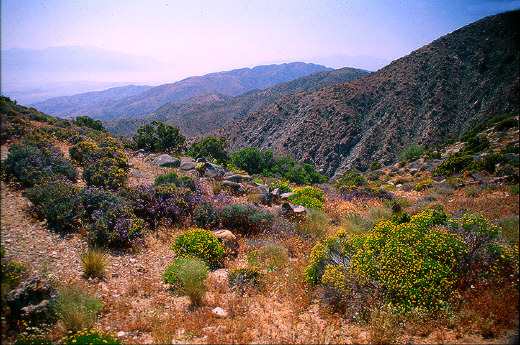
[{"x": 196, "y": 37}]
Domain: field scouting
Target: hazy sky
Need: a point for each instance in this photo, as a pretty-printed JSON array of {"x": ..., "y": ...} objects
[{"x": 199, "y": 37}]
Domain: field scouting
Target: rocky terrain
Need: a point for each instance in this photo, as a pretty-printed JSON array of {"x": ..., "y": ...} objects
[{"x": 436, "y": 92}]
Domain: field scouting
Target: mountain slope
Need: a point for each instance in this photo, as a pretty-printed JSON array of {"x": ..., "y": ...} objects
[
  {"x": 437, "y": 91},
  {"x": 231, "y": 83},
  {"x": 203, "y": 114},
  {"x": 80, "y": 104}
]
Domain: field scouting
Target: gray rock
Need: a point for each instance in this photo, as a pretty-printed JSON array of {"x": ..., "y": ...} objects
[
  {"x": 258, "y": 188},
  {"x": 229, "y": 241},
  {"x": 214, "y": 171},
  {"x": 203, "y": 160},
  {"x": 32, "y": 301},
  {"x": 278, "y": 211},
  {"x": 292, "y": 211},
  {"x": 236, "y": 188},
  {"x": 167, "y": 161},
  {"x": 285, "y": 196},
  {"x": 238, "y": 178},
  {"x": 188, "y": 166}
]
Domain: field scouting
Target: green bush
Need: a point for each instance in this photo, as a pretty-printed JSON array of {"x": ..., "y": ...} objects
[
  {"x": 351, "y": 178},
  {"x": 80, "y": 151},
  {"x": 477, "y": 144},
  {"x": 201, "y": 244},
  {"x": 32, "y": 165},
  {"x": 172, "y": 178},
  {"x": 188, "y": 275},
  {"x": 506, "y": 124},
  {"x": 206, "y": 216},
  {"x": 59, "y": 202},
  {"x": 105, "y": 173},
  {"x": 309, "y": 197},
  {"x": 488, "y": 163},
  {"x": 411, "y": 152},
  {"x": 455, "y": 163},
  {"x": 246, "y": 219},
  {"x": 210, "y": 147},
  {"x": 249, "y": 159}
]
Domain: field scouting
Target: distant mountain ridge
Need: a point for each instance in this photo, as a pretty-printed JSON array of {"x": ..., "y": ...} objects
[
  {"x": 208, "y": 112},
  {"x": 231, "y": 83},
  {"x": 437, "y": 91}
]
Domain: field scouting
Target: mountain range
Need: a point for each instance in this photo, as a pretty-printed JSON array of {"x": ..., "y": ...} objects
[
  {"x": 438, "y": 91},
  {"x": 206, "y": 112},
  {"x": 231, "y": 83}
]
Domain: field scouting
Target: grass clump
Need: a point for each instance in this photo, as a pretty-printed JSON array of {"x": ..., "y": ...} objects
[
  {"x": 315, "y": 223},
  {"x": 509, "y": 227},
  {"x": 188, "y": 275},
  {"x": 94, "y": 262},
  {"x": 77, "y": 309}
]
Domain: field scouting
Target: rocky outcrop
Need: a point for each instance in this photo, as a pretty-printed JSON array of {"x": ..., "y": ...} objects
[
  {"x": 229, "y": 240},
  {"x": 167, "y": 161}
]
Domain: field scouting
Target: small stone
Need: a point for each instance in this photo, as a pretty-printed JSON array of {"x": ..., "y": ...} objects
[
  {"x": 132, "y": 260},
  {"x": 220, "y": 312},
  {"x": 121, "y": 334}
]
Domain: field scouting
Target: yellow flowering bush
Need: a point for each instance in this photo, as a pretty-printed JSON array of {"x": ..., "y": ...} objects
[
  {"x": 309, "y": 197},
  {"x": 105, "y": 173},
  {"x": 80, "y": 151},
  {"x": 282, "y": 184},
  {"x": 90, "y": 336},
  {"x": 199, "y": 243}
]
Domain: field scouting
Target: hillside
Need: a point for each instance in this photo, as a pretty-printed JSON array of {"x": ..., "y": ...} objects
[
  {"x": 203, "y": 114},
  {"x": 94, "y": 240},
  {"x": 436, "y": 92},
  {"x": 231, "y": 83}
]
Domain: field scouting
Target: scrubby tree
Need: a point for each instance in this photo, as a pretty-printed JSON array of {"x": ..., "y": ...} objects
[
  {"x": 249, "y": 159},
  {"x": 211, "y": 147},
  {"x": 158, "y": 137},
  {"x": 87, "y": 121}
]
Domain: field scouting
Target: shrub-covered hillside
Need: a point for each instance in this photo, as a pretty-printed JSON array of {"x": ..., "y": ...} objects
[{"x": 150, "y": 241}]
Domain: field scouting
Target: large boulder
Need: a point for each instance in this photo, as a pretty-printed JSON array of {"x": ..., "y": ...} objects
[
  {"x": 238, "y": 178},
  {"x": 236, "y": 188},
  {"x": 229, "y": 241},
  {"x": 297, "y": 212},
  {"x": 213, "y": 171},
  {"x": 167, "y": 161},
  {"x": 187, "y": 166},
  {"x": 31, "y": 301}
]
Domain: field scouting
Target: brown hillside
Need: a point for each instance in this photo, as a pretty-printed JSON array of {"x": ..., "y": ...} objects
[{"x": 437, "y": 91}]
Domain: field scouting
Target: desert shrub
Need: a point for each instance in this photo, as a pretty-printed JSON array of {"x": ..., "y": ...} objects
[
  {"x": 11, "y": 274},
  {"x": 158, "y": 137},
  {"x": 93, "y": 198},
  {"x": 164, "y": 204},
  {"x": 282, "y": 184},
  {"x": 424, "y": 184},
  {"x": 32, "y": 165},
  {"x": 244, "y": 275},
  {"x": 188, "y": 275},
  {"x": 477, "y": 144},
  {"x": 12, "y": 126},
  {"x": 355, "y": 193},
  {"x": 77, "y": 309},
  {"x": 427, "y": 269},
  {"x": 210, "y": 147},
  {"x": 309, "y": 197},
  {"x": 115, "y": 225},
  {"x": 59, "y": 202},
  {"x": 314, "y": 224},
  {"x": 505, "y": 124},
  {"x": 411, "y": 152},
  {"x": 275, "y": 255},
  {"x": 80, "y": 151},
  {"x": 351, "y": 178},
  {"x": 94, "y": 262},
  {"x": 201, "y": 244},
  {"x": 489, "y": 162},
  {"x": 38, "y": 138},
  {"x": 206, "y": 216},
  {"x": 246, "y": 219},
  {"x": 455, "y": 163},
  {"x": 111, "y": 142},
  {"x": 105, "y": 173},
  {"x": 92, "y": 336},
  {"x": 87, "y": 121},
  {"x": 114, "y": 153}
]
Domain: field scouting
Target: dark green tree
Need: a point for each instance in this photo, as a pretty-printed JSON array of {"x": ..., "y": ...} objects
[
  {"x": 249, "y": 159},
  {"x": 87, "y": 121},
  {"x": 158, "y": 137}
]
